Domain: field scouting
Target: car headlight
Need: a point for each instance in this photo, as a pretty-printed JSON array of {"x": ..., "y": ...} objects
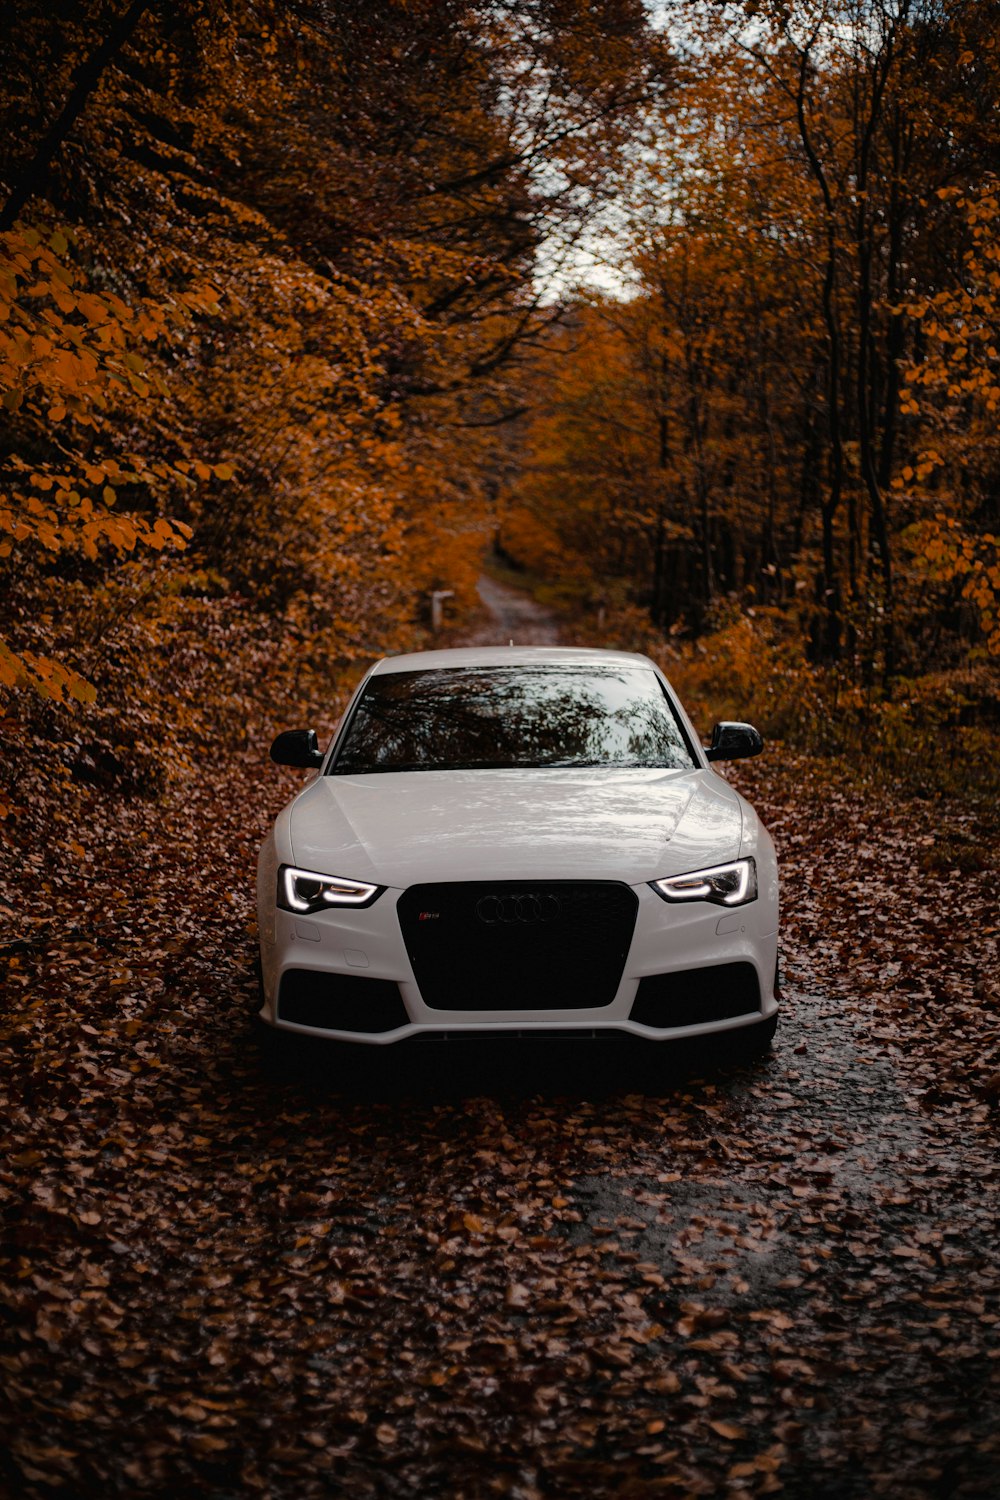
[
  {"x": 726, "y": 885},
  {"x": 304, "y": 891}
]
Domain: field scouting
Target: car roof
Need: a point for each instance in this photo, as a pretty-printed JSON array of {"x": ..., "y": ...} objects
[{"x": 509, "y": 656}]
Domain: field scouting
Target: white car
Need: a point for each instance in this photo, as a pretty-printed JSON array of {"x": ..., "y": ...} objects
[{"x": 518, "y": 839}]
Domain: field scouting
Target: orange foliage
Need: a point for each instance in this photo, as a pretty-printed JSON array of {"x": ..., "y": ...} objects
[
  {"x": 254, "y": 398},
  {"x": 74, "y": 368},
  {"x": 805, "y": 371}
]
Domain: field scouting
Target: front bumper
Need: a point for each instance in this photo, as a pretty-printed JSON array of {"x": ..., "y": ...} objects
[{"x": 367, "y": 944}]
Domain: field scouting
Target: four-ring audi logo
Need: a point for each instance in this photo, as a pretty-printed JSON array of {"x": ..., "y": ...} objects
[{"x": 510, "y": 909}]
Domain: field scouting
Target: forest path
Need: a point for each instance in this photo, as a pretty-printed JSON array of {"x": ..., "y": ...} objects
[
  {"x": 513, "y": 616},
  {"x": 506, "y": 1270}
]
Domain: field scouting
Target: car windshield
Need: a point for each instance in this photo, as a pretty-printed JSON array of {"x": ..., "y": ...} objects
[{"x": 481, "y": 718}]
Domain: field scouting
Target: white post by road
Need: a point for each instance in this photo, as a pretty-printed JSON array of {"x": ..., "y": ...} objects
[{"x": 437, "y": 611}]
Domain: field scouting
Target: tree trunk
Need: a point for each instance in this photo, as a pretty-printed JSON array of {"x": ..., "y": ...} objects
[
  {"x": 831, "y": 590},
  {"x": 864, "y": 231}
]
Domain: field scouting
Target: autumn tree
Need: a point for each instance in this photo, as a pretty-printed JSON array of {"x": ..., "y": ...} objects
[
  {"x": 797, "y": 213},
  {"x": 336, "y": 214}
]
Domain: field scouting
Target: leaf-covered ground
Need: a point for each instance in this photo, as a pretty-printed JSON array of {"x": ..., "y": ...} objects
[{"x": 467, "y": 1270}]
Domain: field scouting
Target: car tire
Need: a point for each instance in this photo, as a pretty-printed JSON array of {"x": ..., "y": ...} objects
[
  {"x": 282, "y": 1056},
  {"x": 755, "y": 1041}
]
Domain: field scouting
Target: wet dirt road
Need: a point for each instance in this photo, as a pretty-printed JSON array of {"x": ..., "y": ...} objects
[
  {"x": 511, "y": 616},
  {"x": 474, "y": 1270}
]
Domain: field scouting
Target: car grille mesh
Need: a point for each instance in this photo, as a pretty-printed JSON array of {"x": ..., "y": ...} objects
[
  {"x": 689, "y": 996},
  {"x": 340, "y": 1002},
  {"x": 518, "y": 945}
]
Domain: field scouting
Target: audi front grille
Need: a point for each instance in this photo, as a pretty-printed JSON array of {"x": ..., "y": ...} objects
[{"x": 518, "y": 945}]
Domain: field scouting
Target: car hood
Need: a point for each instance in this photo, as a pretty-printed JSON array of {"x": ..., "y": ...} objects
[{"x": 399, "y": 828}]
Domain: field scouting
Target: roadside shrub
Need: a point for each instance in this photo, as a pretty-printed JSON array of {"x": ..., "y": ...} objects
[{"x": 939, "y": 733}]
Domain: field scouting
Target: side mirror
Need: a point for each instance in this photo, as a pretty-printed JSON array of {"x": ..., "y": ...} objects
[
  {"x": 734, "y": 742},
  {"x": 297, "y": 747}
]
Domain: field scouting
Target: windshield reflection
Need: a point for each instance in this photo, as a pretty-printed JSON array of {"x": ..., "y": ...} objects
[{"x": 505, "y": 717}]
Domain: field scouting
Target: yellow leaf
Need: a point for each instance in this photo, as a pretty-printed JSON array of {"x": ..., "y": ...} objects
[{"x": 82, "y": 690}]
